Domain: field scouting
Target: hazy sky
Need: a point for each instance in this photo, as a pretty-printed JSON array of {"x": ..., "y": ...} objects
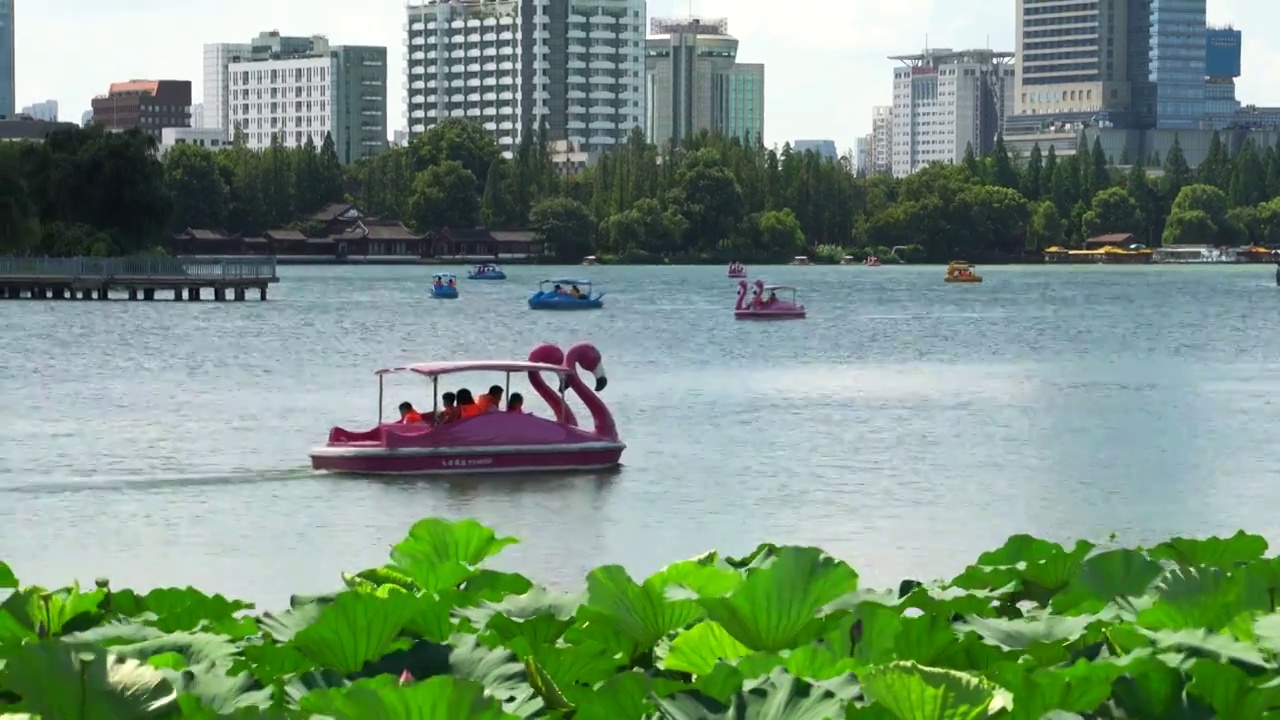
[{"x": 825, "y": 59}]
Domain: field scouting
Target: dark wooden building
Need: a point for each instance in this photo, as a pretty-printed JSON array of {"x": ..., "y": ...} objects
[{"x": 478, "y": 244}]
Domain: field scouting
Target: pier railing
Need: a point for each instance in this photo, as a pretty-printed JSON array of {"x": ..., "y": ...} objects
[{"x": 239, "y": 269}]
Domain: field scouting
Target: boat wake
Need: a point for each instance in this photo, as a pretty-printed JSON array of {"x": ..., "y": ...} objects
[{"x": 127, "y": 484}]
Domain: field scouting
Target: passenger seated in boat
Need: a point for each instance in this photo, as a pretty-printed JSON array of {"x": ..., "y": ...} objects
[
  {"x": 408, "y": 415},
  {"x": 515, "y": 403},
  {"x": 491, "y": 401},
  {"x": 574, "y": 291},
  {"x": 467, "y": 407},
  {"x": 449, "y": 412},
  {"x": 453, "y": 283},
  {"x": 557, "y": 290},
  {"x": 773, "y": 298}
]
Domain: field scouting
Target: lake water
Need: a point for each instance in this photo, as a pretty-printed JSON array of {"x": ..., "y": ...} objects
[{"x": 905, "y": 426}]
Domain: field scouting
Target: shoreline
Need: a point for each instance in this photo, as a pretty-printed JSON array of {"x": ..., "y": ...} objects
[{"x": 388, "y": 261}]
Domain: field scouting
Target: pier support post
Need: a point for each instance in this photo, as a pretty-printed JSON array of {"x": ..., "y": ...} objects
[
  {"x": 133, "y": 293},
  {"x": 239, "y": 294},
  {"x": 149, "y": 294},
  {"x": 86, "y": 294},
  {"x": 104, "y": 293},
  {"x": 193, "y": 293},
  {"x": 219, "y": 294},
  {"x": 13, "y": 293},
  {"x": 59, "y": 293},
  {"x": 177, "y": 293},
  {"x": 39, "y": 293},
  {"x": 262, "y": 293}
]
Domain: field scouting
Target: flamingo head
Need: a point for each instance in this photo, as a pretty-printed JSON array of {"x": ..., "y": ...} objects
[
  {"x": 759, "y": 285},
  {"x": 586, "y": 355},
  {"x": 742, "y": 284},
  {"x": 547, "y": 353}
]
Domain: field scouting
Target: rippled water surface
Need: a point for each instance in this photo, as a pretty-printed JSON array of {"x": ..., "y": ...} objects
[{"x": 906, "y": 426}]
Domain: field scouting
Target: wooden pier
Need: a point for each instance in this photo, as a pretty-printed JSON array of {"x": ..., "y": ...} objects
[{"x": 137, "y": 278}]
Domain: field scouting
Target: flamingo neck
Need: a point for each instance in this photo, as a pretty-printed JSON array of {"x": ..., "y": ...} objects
[
  {"x": 742, "y": 294},
  {"x": 552, "y": 398},
  {"x": 600, "y": 414}
]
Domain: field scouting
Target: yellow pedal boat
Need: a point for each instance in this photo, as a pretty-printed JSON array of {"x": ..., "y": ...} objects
[{"x": 960, "y": 271}]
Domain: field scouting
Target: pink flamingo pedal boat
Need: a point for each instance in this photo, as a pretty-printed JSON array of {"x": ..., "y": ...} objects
[
  {"x": 496, "y": 442},
  {"x": 767, "y": 307}
]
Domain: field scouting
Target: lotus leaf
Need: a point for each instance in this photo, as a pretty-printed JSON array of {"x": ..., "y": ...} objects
[
  {"x": 1034, "y": 630},
  {"x": 439, "y": 555},
  {"x": 777, "y": 605}
]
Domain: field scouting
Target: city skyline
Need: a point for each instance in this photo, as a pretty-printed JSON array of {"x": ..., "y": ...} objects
[{"x": 826, "y": 60}]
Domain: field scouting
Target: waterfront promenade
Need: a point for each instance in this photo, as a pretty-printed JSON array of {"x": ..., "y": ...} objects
[{"x": 136, "y": 278}]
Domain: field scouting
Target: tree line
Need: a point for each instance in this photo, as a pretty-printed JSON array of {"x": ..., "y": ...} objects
[{"x": 91, "y": 192}]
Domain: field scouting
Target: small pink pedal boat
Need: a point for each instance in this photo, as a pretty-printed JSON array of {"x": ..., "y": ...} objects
[
  {"x": 737, "y": 270},
  {"x": 498, "y": 442},
  {"x": 765, "y": 303}
]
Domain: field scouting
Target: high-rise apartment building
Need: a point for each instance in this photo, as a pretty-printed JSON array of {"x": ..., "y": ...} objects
[
  {"x": 146, "y": 105},
  {"x": 880, "y": 155},
  {"x": 825, "y": 148},
  {"x": 8, "y": 83},
  {"x": 47, "y": 110},
  {"x": 946, "y": 101},
  {"x": 217, "y": 59},
  {"x": 1221, "y": 67},
  {"x": 301, "y": 89},
  {"x": 693, "y": 82},
  {"x": 1073, "y": 60},
  {"x": 1178, "y": 48},
  {"x": 513, "y": 65},
  {"x": 862, "y": 155}
]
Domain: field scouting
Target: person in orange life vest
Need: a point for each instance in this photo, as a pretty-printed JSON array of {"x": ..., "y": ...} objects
[
  {"x": 467, "y": 406},
  {"x": 515, "y": 403},
  {"x": 449, "y": 412},
  {"x": 491, "y": 401},
  {"x": 408, "y": 414}
]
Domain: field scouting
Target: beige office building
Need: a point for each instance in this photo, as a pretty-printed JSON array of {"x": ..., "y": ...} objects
[
  {"x": 1078, "y": 60},
  {"x": 693, "y": 82}
]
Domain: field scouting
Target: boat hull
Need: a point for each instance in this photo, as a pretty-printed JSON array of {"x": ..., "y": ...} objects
[
  {"x": 445, "y": 293},
  {"x": 373, "y": 459},
  {"x": 737, "y": 275},
  {"x": 564, "y": 302},
  {"x": 769, "y": 314},
  {"x": 487, "y": 276},
  {"x": 963, "y": 280}
]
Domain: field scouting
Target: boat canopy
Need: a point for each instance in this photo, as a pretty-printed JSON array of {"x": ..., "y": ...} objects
[
  {"x": 436, "y": 369},
  {"x": 792, "y": 288},
  {"x": 567, "y": 281},
  {"x": 444, "y": 276}
]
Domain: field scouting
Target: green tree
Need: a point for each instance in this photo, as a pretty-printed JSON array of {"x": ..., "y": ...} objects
[
  {"x": 444, "y": 195},
  {"x": 780, "y": 231},
  {"x": 454, "y": 140},
  {"x": 1032, "y": 182},
  {"x": 1112, "y": 211},
  {"x": 496, "y": 208},
  {"x": 1045, "y": 230},
  {"x": 198, "y": 191},
  {"x": 1190, "y": 227},
  {"x": 564, "y": 225},
  {"x": 1177, "y": 173}
]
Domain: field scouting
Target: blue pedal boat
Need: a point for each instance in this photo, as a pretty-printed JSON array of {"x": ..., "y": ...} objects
[
  {"x": 487, "y": 271},
  {"x": 558, "y": 294},
  {"x": 444, "y": 286}
]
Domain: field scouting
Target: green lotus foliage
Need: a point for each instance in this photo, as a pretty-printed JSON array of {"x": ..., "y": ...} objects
[{"x": 1187, "y": 629}]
